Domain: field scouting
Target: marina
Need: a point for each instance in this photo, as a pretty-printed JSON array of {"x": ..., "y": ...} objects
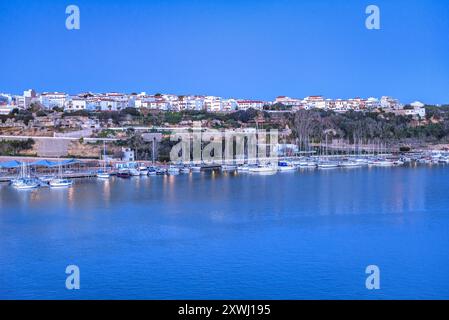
[{"x": 29, "y": 175}]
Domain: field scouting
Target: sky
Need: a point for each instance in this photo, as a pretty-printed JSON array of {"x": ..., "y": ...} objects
[{"x": 244, "y": 49}]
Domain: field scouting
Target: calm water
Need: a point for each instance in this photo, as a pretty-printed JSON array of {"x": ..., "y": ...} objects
[{"x": 293, "y": 235}]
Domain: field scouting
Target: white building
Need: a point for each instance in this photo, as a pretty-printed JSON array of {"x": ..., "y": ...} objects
[
  {"x": 53, "y": 99},
  {"x": 212, "y": 104},
  {"x": 76, "y": 104},
  {"x": 315, "y": 102},
  {"x": 247, "y": 104},
  {"x": 287, "y": 101}
]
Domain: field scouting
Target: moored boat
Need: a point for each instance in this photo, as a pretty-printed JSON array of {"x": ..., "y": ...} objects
[
  {"x": 123, "y": 174},
  {"x": 284, "y": 166},
  {"x": 263, "y": 170},
  {"x": 60, "y": 183},
  {"x": 25, "y": 184}
]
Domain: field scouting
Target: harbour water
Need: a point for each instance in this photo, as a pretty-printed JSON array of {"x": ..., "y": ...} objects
[{"x": 294, "y": 235}]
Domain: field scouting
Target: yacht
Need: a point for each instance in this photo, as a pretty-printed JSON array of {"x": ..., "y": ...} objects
[
  {"x": 327, "y": 165},
  {"x": 25, "y": 184},
  {"x": 172, "y": 170},
  {"x": 263, "y": 170},
  {"x": 185, "y": 170},
  {"x": 123, "y": 173},
  {"x": 350, "y": 164},
  {"x": 60, "y": 183},
  {"x": 306, "y": 164},
  {"x": 103, "y": 174},
  {"x": 24, "y": 181},
  {"x": 284, "y": 166},
  {"x": 383, "y": 163},
  {"x": 152, "y": 171},
  {"x": 243, "y": 168},
  {"x": 143, "y": 171},
  {"x": 134, "y": 172},
  {"x": 228, "y": 167}
]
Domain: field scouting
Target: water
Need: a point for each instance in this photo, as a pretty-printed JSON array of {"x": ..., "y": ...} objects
[{"x": 306, "y": 234}]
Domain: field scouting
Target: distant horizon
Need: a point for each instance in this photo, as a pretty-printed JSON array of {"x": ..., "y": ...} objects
[{"x": 249, "y": 49}]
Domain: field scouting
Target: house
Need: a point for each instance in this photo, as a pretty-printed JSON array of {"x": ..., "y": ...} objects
[
  {"x": 76, "y": 104},
  {"x": 247, "y": 104},
  {"x": 53, "y": 99}
]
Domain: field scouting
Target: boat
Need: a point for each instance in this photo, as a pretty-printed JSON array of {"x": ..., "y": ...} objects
[
  {"x": 185, "y": 170},
  {"x": 228, "y": 167},
  {"x": 382, "y": 163},
  {"x": 24, "y": 181},
  {"x": 123, "y": 174},
  {"x": 143, "y": 171},
  {"x": 152, "y": 171},
  {"x": 103, "y": 174},
  {"x": 306, "y": 164},
  {"x": 172, "y": 170},
  {"x": 134, "y": 172},
  {"x": 284, "y": 166},
  {"x": 263, "y": 170},
  {"x": 161, "y": 171},
  {"x": 327, "y": 165},
  {"x": 46, "y": 179},
  {"x": 243, "y": 168},
  {"x": 350, "y": 164},
  {"x": 60, "y": 183},
  {"x": 196, "y": 169},
  {"x": 25, "y": 184}
]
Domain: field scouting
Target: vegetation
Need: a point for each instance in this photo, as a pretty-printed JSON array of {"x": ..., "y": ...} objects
[{"x": 14, "y": 147}]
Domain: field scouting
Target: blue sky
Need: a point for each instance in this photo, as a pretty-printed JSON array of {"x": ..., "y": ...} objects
[{"x": 245, "y": 49}]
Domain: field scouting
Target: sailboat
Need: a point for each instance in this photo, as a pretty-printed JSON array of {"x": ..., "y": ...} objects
[
  {"x": 60, "y": 182},
  {"x": 24, "y": 181},
  {"x": 103, "y": 174}
]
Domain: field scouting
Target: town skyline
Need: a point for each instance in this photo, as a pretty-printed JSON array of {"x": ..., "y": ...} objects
[{"x": 116, "y": 101}]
